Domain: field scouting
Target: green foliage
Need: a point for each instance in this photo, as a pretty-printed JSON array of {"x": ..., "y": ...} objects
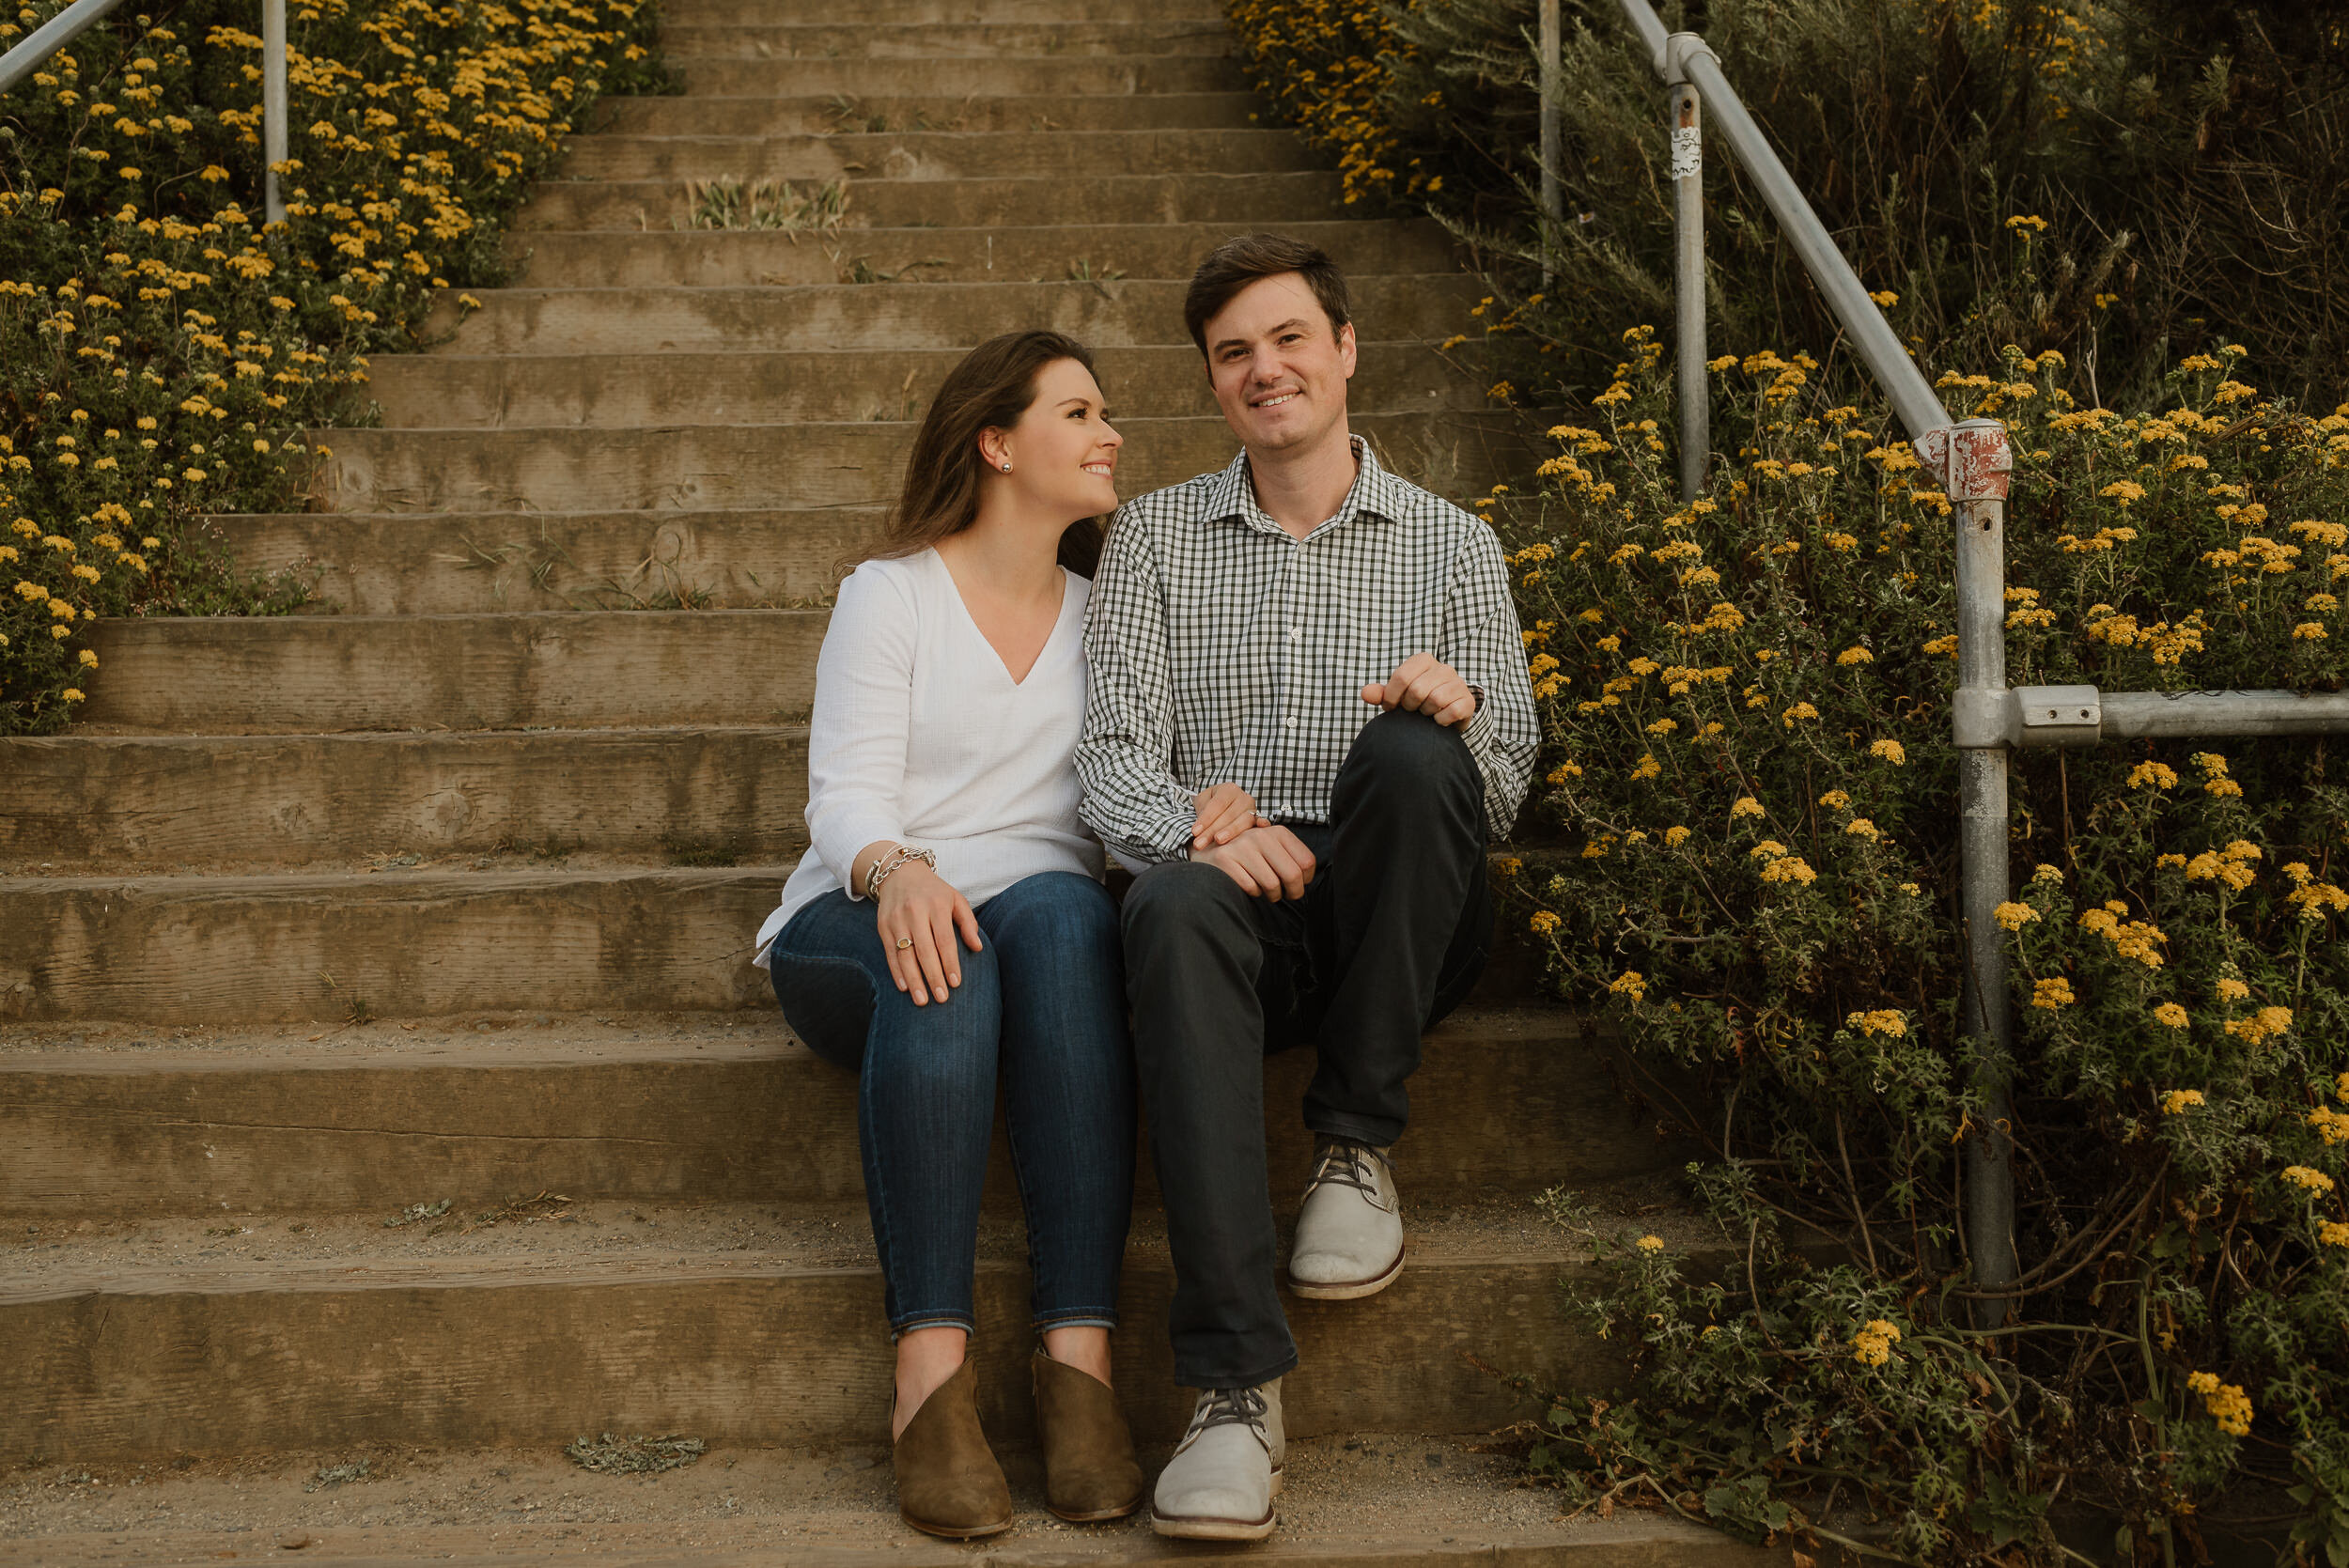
[
  {"x": 162, "y": 352},
  {"x": 2184, "y": 158},
  {"x": 1746, "y": 701}
]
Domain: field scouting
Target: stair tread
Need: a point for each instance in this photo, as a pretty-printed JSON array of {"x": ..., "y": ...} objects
[
  {"x": 508, "y": 1040},
  {"x": 598, "y": 1242},
  {"x": 1348, "y": 1500}
]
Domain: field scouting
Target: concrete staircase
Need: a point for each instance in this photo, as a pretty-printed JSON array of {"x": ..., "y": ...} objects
[{"x": 449, "y": 895}]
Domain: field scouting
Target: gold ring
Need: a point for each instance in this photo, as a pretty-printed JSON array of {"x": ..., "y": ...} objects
[{"x": 904, "y": 942}]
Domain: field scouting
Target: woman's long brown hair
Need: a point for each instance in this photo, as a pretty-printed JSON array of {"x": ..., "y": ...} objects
[{"x": 990, "y": 389}]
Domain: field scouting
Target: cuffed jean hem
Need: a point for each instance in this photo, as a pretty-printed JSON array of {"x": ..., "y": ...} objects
[
  {"x": 1379, "y": 1132},
  {"x": 931, "y": 1320},
  {"x": 1187, "y": 1378},
  {"x": 1075, "y": 1319}
]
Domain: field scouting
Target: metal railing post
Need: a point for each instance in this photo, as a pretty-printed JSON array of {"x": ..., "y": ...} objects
[
  {"x": 1547, "y": 44},
  {"x": 1974, "y": 460},
  {"x": 273, "y": 107},
  {"x": 1696, "y": 401}
]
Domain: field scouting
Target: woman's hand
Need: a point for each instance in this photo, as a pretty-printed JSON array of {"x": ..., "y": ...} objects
[
  {"x": 1226, "y": 812},
  {"x": 919, "y": 920}
]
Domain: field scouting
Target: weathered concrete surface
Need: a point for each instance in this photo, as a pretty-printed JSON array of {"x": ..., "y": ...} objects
[
  {"x": 719, "y": 76},
  {"x": 397, "y": 943},
  {"x": 1507, "y": 1103},
  {"x": 310, "y": 674},
  {"x": 868, "y": 157},
  {"x": 860, "y": 463},
  {"x": 990, "y": 41},
  {"x": 852, "y": 317},
  {"x": 1244, "y": 201},
  {"x": 871, "y": 114},
  {"x": 189, "y": 801},
  {"x": 723, "y": 258},
  {"x": 618, "y": 391},
  {"x": 490, "y": 563},
  {"x": 226, "y": 1360}
]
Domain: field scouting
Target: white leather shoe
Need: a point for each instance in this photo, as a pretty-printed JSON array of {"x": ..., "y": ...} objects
[
  {"x": 1349, "y": 1233},
  {"x": 1221, "y": 1483}
]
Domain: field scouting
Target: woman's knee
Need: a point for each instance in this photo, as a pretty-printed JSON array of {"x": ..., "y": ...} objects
[{"x": 1053, "y": 913}]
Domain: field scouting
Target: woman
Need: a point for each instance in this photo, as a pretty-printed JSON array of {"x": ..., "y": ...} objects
[{"x": 950, "y": 923}]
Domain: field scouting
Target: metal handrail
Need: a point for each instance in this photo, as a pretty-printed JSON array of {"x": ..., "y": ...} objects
[
  {"x": 51, "y": 36},
  {"x": 1972, "y": 460},
  {"x": 78, "y": 18}
]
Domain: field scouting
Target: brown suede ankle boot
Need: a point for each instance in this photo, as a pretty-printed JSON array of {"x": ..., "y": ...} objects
[
  {"x": 948, "y": 1483},
  {"x": 1090, "y": 1472}
]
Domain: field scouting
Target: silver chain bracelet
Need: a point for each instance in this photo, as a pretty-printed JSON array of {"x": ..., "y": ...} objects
[{"x": 904, "y": 854}]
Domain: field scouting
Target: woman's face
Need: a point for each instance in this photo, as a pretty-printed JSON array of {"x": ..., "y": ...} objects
[{"x": 1063, "y": 452}]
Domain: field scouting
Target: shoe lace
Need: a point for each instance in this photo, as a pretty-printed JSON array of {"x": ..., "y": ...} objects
[
  {"x": 1227, "y": 1407},
  {"x": 1344, "y": 1162}
]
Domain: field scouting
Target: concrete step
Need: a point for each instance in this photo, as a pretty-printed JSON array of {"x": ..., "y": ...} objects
[
  {"x": 933, "y": 155},
  {"x": 943, "y": 14},
  {"x": 348, "y": 1335},
  {"x": 822, "y": 113},
  {"x": 717, "y": 259},
  {"x": 711, "y": 76},
  {"x": 1349, "y": 1500},
  {"x": 1243, "y": 200},
  {"x": 864, "y": 318},
  {"x": 489, "y": 563},
  {"x": 811, "y": 465},
  {"x": 783, "y": 44},
  {"x": 308, "y": 675},
  {"x": 618, "y": 391},
  {"x": 166, "y": 802},
  {"x": 725, "y": 1108},
  {"x": 296, "y": 947},
  {"x": 481, "y": 936}
]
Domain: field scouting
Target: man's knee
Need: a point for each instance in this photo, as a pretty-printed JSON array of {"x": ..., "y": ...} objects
[
  {"x": 1182, "y": 898},
  {"x": 1409, "y": 754}
]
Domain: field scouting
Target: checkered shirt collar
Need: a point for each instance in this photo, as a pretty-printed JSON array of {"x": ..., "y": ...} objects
[{"x": 1233, "y": 498}]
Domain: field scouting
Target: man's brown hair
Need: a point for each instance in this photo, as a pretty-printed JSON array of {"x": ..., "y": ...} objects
[{"x": 1241, "y": 261}]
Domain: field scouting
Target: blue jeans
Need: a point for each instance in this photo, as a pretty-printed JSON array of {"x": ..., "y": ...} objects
[{"x": 1045, "y": 1000}]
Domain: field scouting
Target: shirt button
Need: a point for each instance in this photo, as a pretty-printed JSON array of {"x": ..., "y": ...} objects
[
  {"x": 1290, "y": 721},
  {"x": 1294, "y": 633}
]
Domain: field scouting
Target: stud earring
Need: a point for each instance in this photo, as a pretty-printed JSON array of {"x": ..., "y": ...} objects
[{"x": 1008, "y": 468}]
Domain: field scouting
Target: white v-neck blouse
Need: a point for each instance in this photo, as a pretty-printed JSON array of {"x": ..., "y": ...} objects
[{"x": 920, "y": 736}]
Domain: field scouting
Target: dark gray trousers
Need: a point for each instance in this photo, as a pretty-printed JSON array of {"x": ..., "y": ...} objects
[{"x": 1390, "y": 936}]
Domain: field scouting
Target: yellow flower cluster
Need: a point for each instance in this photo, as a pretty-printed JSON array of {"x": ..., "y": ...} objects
[
  {"x": 1872, "y": 1345},
  {"x": 2226, "y": 1401},
  {"x": 2265, "y": 1024},
  {"x": 2177, "y": 1101},
  {"x": 2135, "y": 939},
  {"x": 166, "y": 344},
  {"x": 1882, "y": 1020},
  {"x": 2053, "y": 994}
]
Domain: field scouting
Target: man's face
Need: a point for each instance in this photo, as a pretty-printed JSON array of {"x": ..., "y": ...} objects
[{"x": 1278, "y": 369}]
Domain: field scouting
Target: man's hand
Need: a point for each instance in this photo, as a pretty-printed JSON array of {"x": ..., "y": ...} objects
[
  {"x": 1226, "y": 812},
  {"x": 1424, "y": 684},
  {"x": 920, "y": 917},
  {"x": 1266, "y": 863}
]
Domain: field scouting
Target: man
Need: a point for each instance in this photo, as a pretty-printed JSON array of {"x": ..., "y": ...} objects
[{"x": 1342, "y": 645}]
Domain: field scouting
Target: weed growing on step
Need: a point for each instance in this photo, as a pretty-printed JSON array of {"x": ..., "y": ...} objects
[
  {"x": 728, "y": 203},
  {"x": 634, "y": 1455},
  {"x": 1747, "y": 706},
  {"x": 162, "y": 350}
]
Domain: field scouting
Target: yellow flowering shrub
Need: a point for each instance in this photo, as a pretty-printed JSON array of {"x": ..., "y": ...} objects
[
  {"x": 162, "y": 351},
  {"x": 1781, "y": 872}
]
